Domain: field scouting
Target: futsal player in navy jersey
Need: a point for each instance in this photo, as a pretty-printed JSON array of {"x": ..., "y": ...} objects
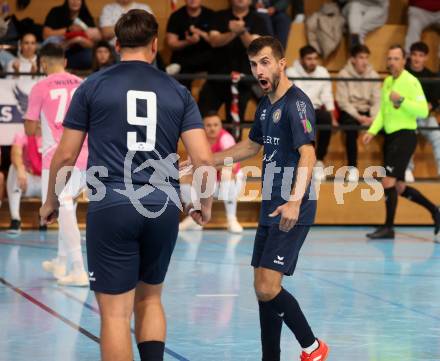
[
  {"x": 284, "y": 126},
  {"x": 133, "y": 116}
]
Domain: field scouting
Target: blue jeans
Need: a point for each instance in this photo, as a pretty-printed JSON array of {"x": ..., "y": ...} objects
[
  {"x": 5, "y": 58},
  {"x": 278, "y": 26},
  {"x": 433, "y": 136}
]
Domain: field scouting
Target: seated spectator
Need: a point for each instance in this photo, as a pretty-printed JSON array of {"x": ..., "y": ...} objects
[
  {"x": 232, "y": 31},
  {"x": 229, "y": 179},
  {"x": 112, "y": 12},
  {"x": 24, "y": 176},
  {"x": 274, "y": 14},
  {"x": 359, "y": 101},
  {"x": 103, "y": 56},
  {"x": 188, "y": 37},
  {"x": 26, "y": 61},
  {"x": 298, "y": 11},
  {"x": 417, "y": 66},
  {"x": 320, "y": 94},
  {"x": 421, "y": 14},
  {"x": 364, "y": 16},
  {"x": 72, "y": 25}
]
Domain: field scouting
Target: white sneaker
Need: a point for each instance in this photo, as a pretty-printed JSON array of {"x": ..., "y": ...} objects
[
  {"x": 188, "y": 224},
  {"x": 299, "y": 19},
  {"x": 234, "y": 226},
  {"x": 75, "y": 279},
  {"x": 57, "y": 269},
  {"x": 353, "y": 175},
  {"x": 409, "y": 176},
  {"x": 318, "y": 171}
]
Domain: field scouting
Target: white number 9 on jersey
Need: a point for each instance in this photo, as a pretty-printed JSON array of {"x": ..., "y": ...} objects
[{"x": 150, "y": 121}]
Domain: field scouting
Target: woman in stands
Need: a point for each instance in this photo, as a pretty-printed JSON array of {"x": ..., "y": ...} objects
[
  {"x": 72, "y": 25},
  {"x": 103, "y": 56}
]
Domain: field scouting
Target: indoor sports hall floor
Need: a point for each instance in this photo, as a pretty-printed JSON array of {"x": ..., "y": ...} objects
[{"x": 370, "y": 300}]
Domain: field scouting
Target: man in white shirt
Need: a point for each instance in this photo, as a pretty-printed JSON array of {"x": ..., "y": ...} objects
[
  {"x": 321, "y": 95},
  {"x": 112, "y": 12}
]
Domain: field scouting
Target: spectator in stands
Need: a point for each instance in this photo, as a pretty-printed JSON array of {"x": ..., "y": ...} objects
[
  {"x": 112, "y": 12},
  {"x": 231, "y": 32},
  {"x": 359, "y": 101},
  {"x": 188, "y": 37},
  {"x": 72, "y": 25},
  {"x": 274, "y": 14},
  {"x": 421, "y": 14},
  {"x": 321, "y": 95},
  {"x": 26, "y": 61},
  {"x": 416, "y": 66},
  {"x": 364, "y": 16},
  {"x": 24, "y": 176},
  {"x": 103, "y": 56},
  {"x": 229, "y": 179},
  {"x": 298, "y": 10}
]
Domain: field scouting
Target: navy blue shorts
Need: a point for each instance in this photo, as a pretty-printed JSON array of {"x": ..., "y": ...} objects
[
  {"x": 277, "y": 250},
  {"x": 124, "y": 247}
]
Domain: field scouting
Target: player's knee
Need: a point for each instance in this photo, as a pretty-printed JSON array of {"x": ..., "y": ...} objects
[
  {"x": 400, "y": 187},
  {"x": 388, "y": 182},
  {"x": 265, "y": 290}
]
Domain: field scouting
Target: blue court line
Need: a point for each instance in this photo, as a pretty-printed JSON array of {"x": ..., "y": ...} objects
[
  {"x": 50, "y": 311},
  {"x": 374, "y": 297},
  {"x": 96, "y": 310}
]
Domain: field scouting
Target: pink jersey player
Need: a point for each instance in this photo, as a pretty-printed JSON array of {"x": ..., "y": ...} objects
[
  {"x": 31, "y": 146},
  {"x": 48, "y": 102}
]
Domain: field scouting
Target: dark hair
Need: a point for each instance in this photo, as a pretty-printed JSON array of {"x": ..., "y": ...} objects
[
  {"x": 84, "y": 12},
  {"x": 111, "y": 60},
  {"x": 307, "y": 50},
  {"x": 397, "y": 46},
  {"x": 266, "y": 41},
  {"x": 136, "y": 28},
  {"x": 359, "y": 49},
  {"x": 211, "y": 113},
  {"x": 419, "y": 46},
  {"x": 22, "y": 36},
  {"x": 51, "y": 50}
]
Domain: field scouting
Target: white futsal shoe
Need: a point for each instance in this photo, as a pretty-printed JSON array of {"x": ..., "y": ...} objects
[
  {"x": 234, "y": 226},
  {"x": 318, "y": 171},
  {"x": 409, "y": 176},
  {"x": 353, "y": 175},
  {"x": 53, "y": 266},
  {"x": 189, "y": 224},
  {"x": 75, "y": 279}
]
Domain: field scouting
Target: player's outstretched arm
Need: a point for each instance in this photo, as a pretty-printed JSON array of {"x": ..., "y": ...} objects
[
  {"x": 197, "y": 146},
  {"x": 65, "y": 156},
  {"x": 241, "y": 151}
]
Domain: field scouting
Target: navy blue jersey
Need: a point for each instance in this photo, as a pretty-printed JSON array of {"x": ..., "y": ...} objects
[
  {"x": 282, "y": 128},
  {"x": 134, "y": 115}
]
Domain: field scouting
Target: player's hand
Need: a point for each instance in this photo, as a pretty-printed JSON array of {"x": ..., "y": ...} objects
[
  {"x": 49, "y": 212},
  {"x": 289, "y": 215},
  {"x": 185, "y": 167},
  {"x": 202, "y": 216},
  {"x": 22, "y": 180},
  {"x": 367, "y": 138},
  {"x": 395, "y": 96},
  {"x": 364, "y": 120}
]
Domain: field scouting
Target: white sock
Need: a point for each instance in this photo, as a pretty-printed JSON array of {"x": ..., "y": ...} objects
[
  {"x": 14, "y": 194},
  {"x": 231, "y": 210},
  {"x": 311, "y": 348}
]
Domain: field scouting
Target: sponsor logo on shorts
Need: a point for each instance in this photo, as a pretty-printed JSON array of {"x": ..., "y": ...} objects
[
  {"x": 389, "y": 168},
  {"x": 279, "y": 260},
  {"x": 91, "y": 277}
]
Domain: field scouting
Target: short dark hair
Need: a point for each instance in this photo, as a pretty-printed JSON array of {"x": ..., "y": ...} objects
[
  {"x": 307, "y": 50},
  {"x": 398, "y": 46},
  {"x": 419, "y": 46},
  {"x": 266, "y": 41},
  {"x": 211, "y": 113},
  {"x": 51, "y": 50},
  {"x": 359, "y": 49},
  {"x": 136, "y": 28}
]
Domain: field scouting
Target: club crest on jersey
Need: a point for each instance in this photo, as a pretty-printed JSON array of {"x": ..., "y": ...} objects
[{"x": 276, "y": 116}]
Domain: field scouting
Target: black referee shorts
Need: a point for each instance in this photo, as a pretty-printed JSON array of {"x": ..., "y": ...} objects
[{"x": 398, "y": 150}]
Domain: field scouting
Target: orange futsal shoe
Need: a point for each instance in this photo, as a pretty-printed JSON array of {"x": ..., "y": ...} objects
[{"x": 320, "y": 354}]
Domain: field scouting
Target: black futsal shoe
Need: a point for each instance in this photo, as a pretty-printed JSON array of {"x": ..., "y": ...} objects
[
  {"x": 436, "y": 218},
  {"x": 382, "y": 233}
]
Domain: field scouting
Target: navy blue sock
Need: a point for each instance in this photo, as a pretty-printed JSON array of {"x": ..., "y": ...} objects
[
  {"x": 288, "y": 308},
  {"x": 271, "y": 325},
  {"x": 151, "y": 350}
]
